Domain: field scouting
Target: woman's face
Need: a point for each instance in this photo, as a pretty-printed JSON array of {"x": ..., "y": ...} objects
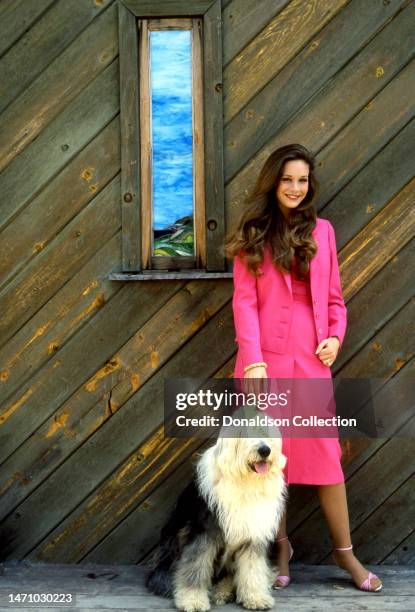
[{"x": 293, "y": 185}]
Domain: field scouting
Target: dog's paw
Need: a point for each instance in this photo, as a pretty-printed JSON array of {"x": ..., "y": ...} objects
[
  {"x": 219, "y": 599},
  {"x": 223, "y": 592},
  {"x": 192, "y": 601},
  {"x": 261, "y": 602}
]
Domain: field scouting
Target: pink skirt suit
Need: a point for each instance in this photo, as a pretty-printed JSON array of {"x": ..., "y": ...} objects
[{"x": 280, "y": 320}]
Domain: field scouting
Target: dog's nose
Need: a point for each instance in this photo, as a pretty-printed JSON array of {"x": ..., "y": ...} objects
[{"x": 264, "y": 450}]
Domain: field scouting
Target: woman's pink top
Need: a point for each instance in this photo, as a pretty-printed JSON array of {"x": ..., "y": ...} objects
[{"x": 301, "y": 289}]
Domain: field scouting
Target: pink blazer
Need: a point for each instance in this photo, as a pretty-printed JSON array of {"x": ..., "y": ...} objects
[{"x": 262, "y": 306}]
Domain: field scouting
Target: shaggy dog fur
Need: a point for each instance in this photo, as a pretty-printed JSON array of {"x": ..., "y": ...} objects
[{"x": 222, "y": 526}]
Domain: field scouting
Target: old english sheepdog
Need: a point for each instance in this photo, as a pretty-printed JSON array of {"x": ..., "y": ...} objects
[{"x": 221, "y": 528}]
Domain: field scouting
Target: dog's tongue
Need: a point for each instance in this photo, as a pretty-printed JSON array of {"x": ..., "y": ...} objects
[{"x": 261, "y": 467}]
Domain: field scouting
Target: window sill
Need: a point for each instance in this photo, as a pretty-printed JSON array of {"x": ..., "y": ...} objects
[{"x": 166, "y": 275}]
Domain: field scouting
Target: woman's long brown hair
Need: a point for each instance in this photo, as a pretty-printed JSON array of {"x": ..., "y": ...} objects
[{"x": 262, "y": 223}]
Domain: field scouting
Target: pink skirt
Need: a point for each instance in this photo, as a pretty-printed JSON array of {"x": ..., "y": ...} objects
[{"x": 314, "y": 461}]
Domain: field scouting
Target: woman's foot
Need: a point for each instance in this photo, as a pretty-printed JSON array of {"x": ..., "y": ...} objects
[
  {"x": 285, "y": 552},
  {"x": 363, "y": 579}
]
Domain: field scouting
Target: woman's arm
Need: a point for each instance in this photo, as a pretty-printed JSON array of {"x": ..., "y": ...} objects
[
  {"x": 337, "y": 313},
  {"x": 245, "y": 313}
]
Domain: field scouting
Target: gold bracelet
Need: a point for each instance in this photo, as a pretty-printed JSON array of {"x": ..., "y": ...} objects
[{"x": 255, "y": 365}]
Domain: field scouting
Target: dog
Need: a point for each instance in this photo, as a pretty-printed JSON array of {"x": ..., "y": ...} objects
[{"x": 222, "y": 526}]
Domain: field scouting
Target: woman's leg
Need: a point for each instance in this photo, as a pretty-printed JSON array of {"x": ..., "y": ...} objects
[
  {"x": 333, "y": 503},
  {"x": 283, "y": 555}
]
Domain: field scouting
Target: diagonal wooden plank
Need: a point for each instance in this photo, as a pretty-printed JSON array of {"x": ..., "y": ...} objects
[
  {"x": 45, "y": 274},
  {"x": 389, "y": 533},
  {"x": 388, "y": 351},
  {"x": 124, "y": 490},
  {"x": 365, "y": 195},
  {"x": 373, "y": 127},
  {"x": 242, "y": 22},
  {"x": 379, "y": 240},
  {"x": 59, "y": 142},
  {"x": 138, "y": 533},
  {"x": 60, "y": 318},
  {"x": 377, "y": 302},
  {"x": 338, "y": 102},
  {"x": 404, "y": 553},
  {"x": 141, "y": 413},
  {"x": 280, "y": 99},
  {"x": 60, "y": 83},
  {"x": 16, "y": 17},
  {"x": 45, "y": 40},
  {"x": 151, "y": 346},
  {"x": 62, "y": 198},
  {"x": 273, "y": 48},
  {"x": 85, "y": 356}
]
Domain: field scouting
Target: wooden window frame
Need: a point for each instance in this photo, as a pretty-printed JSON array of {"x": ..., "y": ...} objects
[{"x": 134, "y": 235}]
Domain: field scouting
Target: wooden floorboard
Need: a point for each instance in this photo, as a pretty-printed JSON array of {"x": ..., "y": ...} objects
[{"x": 121, "y": 587}]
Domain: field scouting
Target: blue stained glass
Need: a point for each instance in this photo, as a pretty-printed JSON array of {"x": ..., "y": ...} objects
[{"x": 172, "y": 141}]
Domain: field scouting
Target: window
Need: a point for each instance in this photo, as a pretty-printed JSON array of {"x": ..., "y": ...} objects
[{"x": 172, "y": 192}]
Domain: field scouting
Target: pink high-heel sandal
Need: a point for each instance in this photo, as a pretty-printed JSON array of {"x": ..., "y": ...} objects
[
  {"x": 365, "y": 586},
  {"x": 284, "y": 580}
]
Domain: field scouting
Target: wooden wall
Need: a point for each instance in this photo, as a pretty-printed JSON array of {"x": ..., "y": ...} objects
[{"x": 85, "y": 472}]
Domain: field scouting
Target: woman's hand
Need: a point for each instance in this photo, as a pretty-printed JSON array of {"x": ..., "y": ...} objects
[
  {"x": 258, "y": 372},
  {"x": 252, "y": 386},
  {"x": 327, "y": 350}
]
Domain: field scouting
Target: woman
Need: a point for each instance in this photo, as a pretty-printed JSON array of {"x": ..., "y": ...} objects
[{"x": 290, "y": 321}]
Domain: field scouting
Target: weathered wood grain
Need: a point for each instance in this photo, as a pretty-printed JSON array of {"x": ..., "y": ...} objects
[
  {"x": 213, "y": 138},
  {"x": 388, "y": 351},
  {"x": 361, "y": 449},
  {"x": 199, "y": 145},
  {"x": 340, "y": 99},
  {"x": 59, "y": 143},
  {"x": 130, "y": 139},
  {"x": 243, "y": 21},
  {"x": 404, "y": 553},
  {"x": 45, "y": 274},
  {"x": 62, "y": 198},
  {"x": 42, "y": 43},
  {"x": 377, "y": 302},
  {"x": 109, "y": 388},
  {"x": 273, "y": 48},
  {"x": 58, "y": 84},
  {"x": 16, "y": 17},
  {"x": 365, "y": 195},
  {"x": 101, "y": 453},
  {"x": 381, "y": 119},
  {"x": 279, "y": 100},
  {"x": 59, "y": 379},
  {"x": 378, "y": 242},
  {"x": 126, "y": 490},
  {"x": 389, "y": 531},
  {"x": 139, "y": 532},
  {"x": 60, "y": 318},
  {"x": 167, "y": 8}
]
